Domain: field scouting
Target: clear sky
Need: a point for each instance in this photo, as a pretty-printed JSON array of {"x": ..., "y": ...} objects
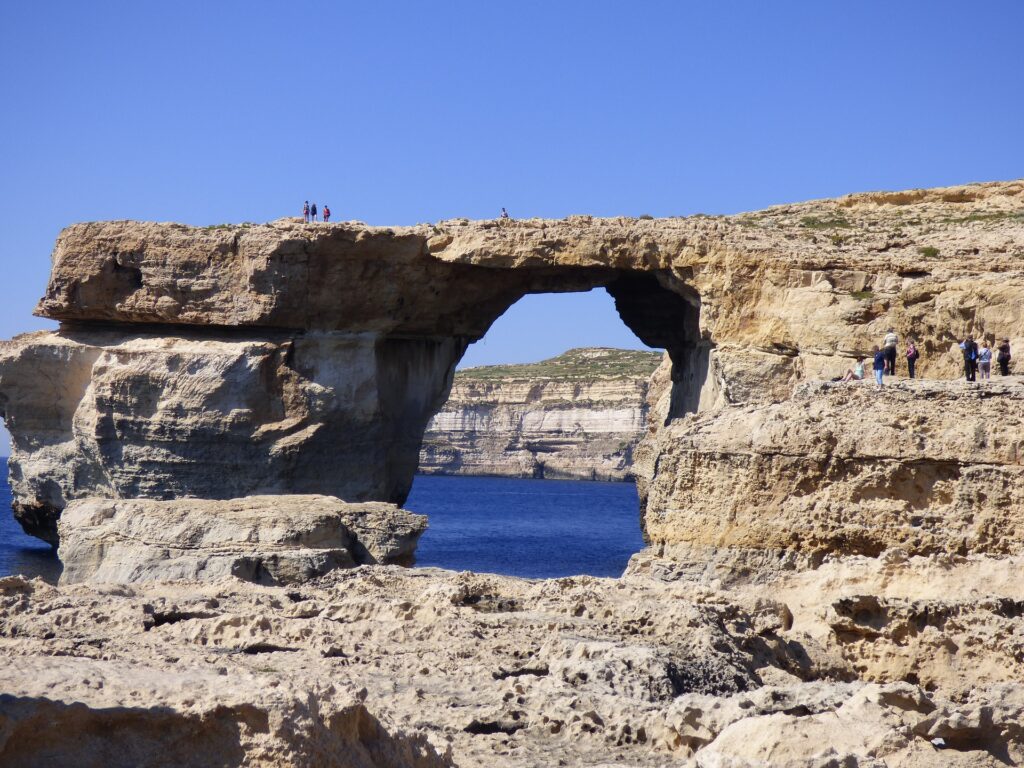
[{"x": 403, "y": 112}]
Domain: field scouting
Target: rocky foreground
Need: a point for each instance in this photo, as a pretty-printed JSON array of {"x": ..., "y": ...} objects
[
  {"x": 892, "y": 661},
  {"x": 577, "y": 416}
]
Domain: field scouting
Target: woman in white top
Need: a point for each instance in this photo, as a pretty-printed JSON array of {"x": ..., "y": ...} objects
[{"x": 985, "y": 360}]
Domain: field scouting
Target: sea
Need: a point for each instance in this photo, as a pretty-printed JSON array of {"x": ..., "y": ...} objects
[
  {"x": 19, "y": 552},
  {"x": 528, "y": 528}
]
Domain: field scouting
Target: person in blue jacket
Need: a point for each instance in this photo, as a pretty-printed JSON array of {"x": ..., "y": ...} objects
[{"x": 879, "y": 364}]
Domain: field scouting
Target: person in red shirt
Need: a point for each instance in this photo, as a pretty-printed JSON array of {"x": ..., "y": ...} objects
[{"x": 327, "y": 213}]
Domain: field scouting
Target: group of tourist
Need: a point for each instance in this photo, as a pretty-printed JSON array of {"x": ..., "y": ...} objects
[
  {"x": 309, "y": 212},
  {"x": 977, "y": 359}
]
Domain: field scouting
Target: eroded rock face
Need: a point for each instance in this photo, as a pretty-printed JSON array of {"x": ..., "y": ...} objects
[
  {"x": 262, "y": 539},
  {"x": 923, "y": 466},
  {"x": 576, "y": 416},
  {"x": 123, "y": 414},
  {"x": 345, "y": 336}
]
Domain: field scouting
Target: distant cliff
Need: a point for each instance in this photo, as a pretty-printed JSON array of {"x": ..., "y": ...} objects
[{"x": 575, "y": 416}]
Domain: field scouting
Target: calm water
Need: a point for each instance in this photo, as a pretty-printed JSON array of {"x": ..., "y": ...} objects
[
  {"x": 20, "y": 553},
  {"x": 536, "y": 528}
]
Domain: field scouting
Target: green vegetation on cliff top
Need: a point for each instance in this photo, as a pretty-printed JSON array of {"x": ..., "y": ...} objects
[{"x": 581, "y": 363}]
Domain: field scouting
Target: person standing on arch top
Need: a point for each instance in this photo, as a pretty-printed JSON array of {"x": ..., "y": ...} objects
[
  {"x": 889, "y": 347},
  {"x": 327, "y": 213},
  {"x": 305, "y": 212},
  {"x": 312, "y": 212}
]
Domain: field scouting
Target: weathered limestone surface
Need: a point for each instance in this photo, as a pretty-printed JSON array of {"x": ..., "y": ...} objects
[
  {"x": 352, "y": 332},
  {"x": 839, "y": 469},
  {"x": 262, "y": 539},
  {"x": 907, "y": 662},
  {"x": 126, "y": 414},
  {"x": 834, "y": 572},
  {"x": 124, "y": 714},
  {"x": 577, "y": 416}
]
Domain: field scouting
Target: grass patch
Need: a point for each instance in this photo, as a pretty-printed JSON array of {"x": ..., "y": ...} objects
[
  {"x": 829, "y": 222},
  {"x": 837, "y": 240},
  {"x": 928, "y": 251},
  {"x": 1010, "y": 216},
  {"x": 645, "y": 217},
  {"x": 588, "y": 363},
  {"x": 863, "y": 295}
]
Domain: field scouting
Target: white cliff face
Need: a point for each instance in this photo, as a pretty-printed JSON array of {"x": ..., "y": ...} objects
[{"x": 558, "y": 421}]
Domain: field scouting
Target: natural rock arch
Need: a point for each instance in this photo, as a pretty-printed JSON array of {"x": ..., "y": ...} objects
[
  {"x": 283, "y": 358},
  {"x": 274, "y": 359}
]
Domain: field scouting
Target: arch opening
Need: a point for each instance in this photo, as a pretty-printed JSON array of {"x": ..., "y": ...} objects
[{"x": 507, "y": 463}]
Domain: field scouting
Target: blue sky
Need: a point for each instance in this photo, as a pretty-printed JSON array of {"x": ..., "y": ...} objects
[{"x": 397, "y": 113}]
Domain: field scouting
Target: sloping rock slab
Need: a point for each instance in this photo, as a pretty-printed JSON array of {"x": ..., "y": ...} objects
[
  {"x": 263, "y": 539},
  {"x": 87, "y": 712}
]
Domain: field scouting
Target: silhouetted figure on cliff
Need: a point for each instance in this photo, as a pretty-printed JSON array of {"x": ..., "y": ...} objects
[
  {"x": 305, "y": 212},
  {"x": 312, "y": 212},
  {"x": 327, "y": 212}
]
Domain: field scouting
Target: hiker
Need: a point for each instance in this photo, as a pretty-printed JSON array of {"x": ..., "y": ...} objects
[
  {"x": 985, "y": 360},
  {"x": 504, "y": 213},
  {"x": 889, "y": 344},
  {"x": 879, "y": 365},
  {"x": 970, "y": 350},
  {"x": 305, "y": 212},
  {"x": 327, "y": 213},
  {"x": 1003, "y": 357},
  {"x": 312, "y": 212},
  {"x": 856, "y": 373},
  {"x": 912, "y": 355}
]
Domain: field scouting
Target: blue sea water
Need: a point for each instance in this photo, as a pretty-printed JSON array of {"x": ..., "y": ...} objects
[
  {"x": 532, "y": 528},
  {"x": 20, "y": 553}
]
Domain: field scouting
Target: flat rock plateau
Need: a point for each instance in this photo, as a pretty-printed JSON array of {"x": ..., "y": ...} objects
[
  {"x": 577, "y": 416},
  {"x": 221, "y": 433}
]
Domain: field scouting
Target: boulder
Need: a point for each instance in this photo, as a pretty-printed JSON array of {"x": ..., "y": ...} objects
[{"x": 262, "y": 539}]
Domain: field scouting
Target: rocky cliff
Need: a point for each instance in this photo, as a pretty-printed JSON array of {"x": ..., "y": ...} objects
[
  {"x": 290, "y": 358},
  {"x": 575, "y": 416},
  {"x": 832, "y": 576}
]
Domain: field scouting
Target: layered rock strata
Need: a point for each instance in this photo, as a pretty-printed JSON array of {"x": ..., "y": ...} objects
[
  {"x": 262, "y": 539},
  {"x": 840, "y": 469},
  {"x": 576, "y": 416},
  {"x": 348, "y": 334}
]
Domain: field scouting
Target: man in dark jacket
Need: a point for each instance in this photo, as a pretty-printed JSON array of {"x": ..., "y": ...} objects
[
  {"x": 970, "y": 350},
  {"x": 1003, "y": 357},
  {"x": 312, "y": 212}
]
